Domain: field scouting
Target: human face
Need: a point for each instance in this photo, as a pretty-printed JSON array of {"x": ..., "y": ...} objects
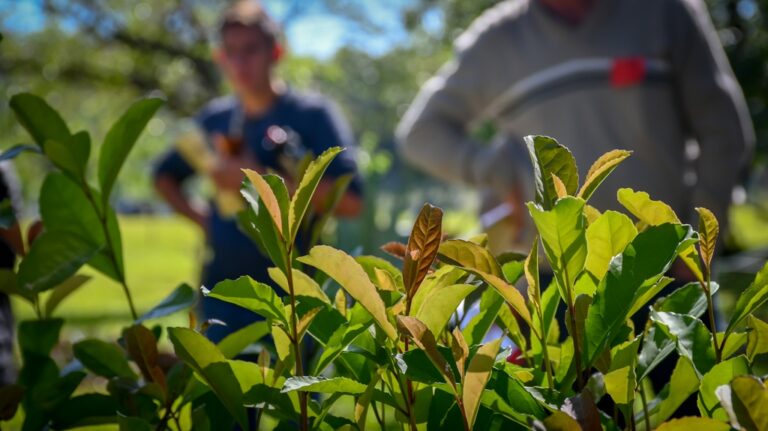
[{"x": 246, "y": 58}]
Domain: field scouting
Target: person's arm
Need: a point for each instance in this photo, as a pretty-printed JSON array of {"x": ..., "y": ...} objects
[
  {"x": 331, "y": 130},
  {"x": 169, "y": 176},
  {"x": 713, "y": 106},
  {"x": 434, "y": 133}
]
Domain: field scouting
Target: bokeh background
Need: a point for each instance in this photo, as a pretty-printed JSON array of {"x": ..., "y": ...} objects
[{"x": 91, "y": 58}]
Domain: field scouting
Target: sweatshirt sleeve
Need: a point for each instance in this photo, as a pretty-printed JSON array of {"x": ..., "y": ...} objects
[
  {"x": 713, "y": 106},
  {"x": 434, "y": 133}
]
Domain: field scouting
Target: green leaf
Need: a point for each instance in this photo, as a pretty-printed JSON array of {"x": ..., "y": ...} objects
[
  {"x": 692, "y": 423},
  {"x": 425, "y": 340},
  {"x": 709, "y": 229},
  {"x": 563, "y": 234},
  {"x": 750, "y": 299},
  {"x": 631, "y": 274},
  {"x": 647, "y": 210},
  {"x": 251, "y": 295},
  {"x": 53, "y": 257},
  {"x": 693, "y": 339},
  {"x": 720, "y": 374},
  {"x": 133, "y": 423},
  {"x": 352, "y": 278},
  {"x": 41, "y": 121},
  {"x": 258, "y": 224},
  {"x": 71, "y": 156},
  {"x": 469, "y": 255},
  {"x": 423, "y": 244},
  {"x": 440, "y": 304},
  {"x": 749, "y": 400},
  {"x": 683, "y": 383},
  {"x": 531, "y": 270},
  {"x": 120, "y": 140},
  {"x": 302, "y": 198},
  {"x": 757, "y": 337},
  {"x": 323, "y": 385},
  {"x": 689, "y": 299},
  {"x": 474, "y": 258},
  {"x": 476, "y": 329},
  {"x": 103, "y": 359},
  {"x": 303, "y": 285},
  {"x": 212, "y": 366},
  {"x": 85, "y": 410},
  {"x": 62, "y": 291},
  {"x": 16, "y": 150},
  {"x": 38, "y": 337},
  {"x": 620, "y": 385},
  {"x": 602, "y": 167},
  {"x": 477, "y": 376},
  {"x": 182, "y": 298},
  {"x": 234, "y": 343},
  {"x": 550, "y": 158},
  {"x": 607, "y": 237},
  {"x": 269, "y": 193}
]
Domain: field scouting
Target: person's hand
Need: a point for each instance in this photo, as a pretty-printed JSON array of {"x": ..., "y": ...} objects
[{"x": 227, "y": 174}]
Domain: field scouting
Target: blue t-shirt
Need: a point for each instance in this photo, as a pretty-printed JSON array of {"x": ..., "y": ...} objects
[{"x": 319, "y": 126}]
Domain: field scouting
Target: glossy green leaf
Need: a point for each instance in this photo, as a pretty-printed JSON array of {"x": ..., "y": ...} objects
[
  {"x": 477, "y": 376},
  {"x": 757, "y": 337},
  {"x": 103, "y": 359},
  {"x": 607, "y": 237},
  {"x": 477, "y": 327},
  {"x": 182, "y": 298},
  {"x": 303, "y": 285},
  {"x": 620, "y": 384},
  {"x": 268, "y": 195},
  {"x": 550, "y": 158},
  {"x": 600, "y": 170},
  {"x": 120, "y": 140},
  {"x": 693, "y": 339},
  {"x": 688, "y": 299},
  {"x": 302, "y": 198},
  {"x": 71, "y": 156},
  {"x": 720, "y": 374},
  {"x": 647, "y": 210},
  {"x": 234, "y": 343},
  {"x": 440, "y": 304},
  {"x": 709, "y": 229},
  {"x": 258, "y": 224},
  {"x": 563, "y": 234},
  {"x": 41, "y": 121},
  {"x": 62, "y": 291},
  {"x": 750, "y": 299},
  {"x": 323, "y": 385},
  {"x": 352, "y": 278},
  {"x": 53, "y": 257},
  {"x": 210, "y": 363},
  {"x": 251, "y": 295},
  {"x": 682, "y": 384},
  {"x": 632, "y": 273}
]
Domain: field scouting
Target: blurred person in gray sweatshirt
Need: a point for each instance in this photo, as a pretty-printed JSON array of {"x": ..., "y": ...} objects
[{"x": 647, "y": 76}]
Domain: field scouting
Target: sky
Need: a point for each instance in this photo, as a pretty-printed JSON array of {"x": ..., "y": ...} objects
[{"x": 302, "y": 31}]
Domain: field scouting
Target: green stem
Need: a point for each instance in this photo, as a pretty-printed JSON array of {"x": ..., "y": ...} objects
[
  {"x": 706, "y": 286},
  {"x": 574, "y": 330},
  {"x": 303, "y": 399},
  {"x": 645, "y": 407},
  {"x": 544, "y": 351},
  {"x": 111, "y": 253}
]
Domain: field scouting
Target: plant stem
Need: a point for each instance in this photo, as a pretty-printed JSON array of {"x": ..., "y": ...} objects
[
  {"x": 645, "y": 407},
  {"x": 463, "y": 413},
  {"x": 711, "y": 312},
  {"x": 304, "y": 425},
  {"x": 574, "y": 330},
  {"x": 111, "y": 253}
]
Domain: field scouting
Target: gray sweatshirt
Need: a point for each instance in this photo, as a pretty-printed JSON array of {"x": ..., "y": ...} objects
[{"x": 643, "y": 75}]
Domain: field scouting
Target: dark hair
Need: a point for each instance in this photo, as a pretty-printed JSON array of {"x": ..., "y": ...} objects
[{"x": 249, "y": 13}]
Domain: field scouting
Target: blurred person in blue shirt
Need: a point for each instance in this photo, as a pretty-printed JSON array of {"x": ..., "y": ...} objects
[{"x": 249, "y": 129}]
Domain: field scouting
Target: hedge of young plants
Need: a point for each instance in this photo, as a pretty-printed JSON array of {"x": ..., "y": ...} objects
[{"x": 386, "y": 341}]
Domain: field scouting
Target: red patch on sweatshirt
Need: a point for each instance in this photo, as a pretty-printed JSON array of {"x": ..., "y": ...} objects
[
  {"x": 627, "y": 71},
  {"x": 516, "y": 357}
]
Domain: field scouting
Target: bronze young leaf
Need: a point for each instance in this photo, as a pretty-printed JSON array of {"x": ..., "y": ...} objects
[{"x": 422, "y": 247}]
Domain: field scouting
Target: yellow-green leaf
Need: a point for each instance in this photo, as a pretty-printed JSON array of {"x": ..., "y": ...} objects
[
  {"x": 694, "y": 423},
  {"x": 607, "y": 236},
  {"x": 560, "y": 190},
  {"x": 267, "y": 197},
  {"x": 709, "y": 229},
  {"x": 440, "y": 304},
  {"x": 532, "y": 274},
  {"x": 647, "y": 210},
  {"x": 303, "y": 285},
  {"x": 602, "y": 167},
  {"x": 620, "y": 384},
  {"x": 757, "y": 337},
  {"x": 351, "y": 277},
  {"x": 749, "y": 401},
  {"x": 477, "y": 376},
  {"x": 469, "y": 255},
  {"x": 302, "y": 198},
  {"x": 459, "y": 349}
]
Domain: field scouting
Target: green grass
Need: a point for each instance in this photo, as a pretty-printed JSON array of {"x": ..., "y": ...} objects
[{"x": 160, "y": 253}]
